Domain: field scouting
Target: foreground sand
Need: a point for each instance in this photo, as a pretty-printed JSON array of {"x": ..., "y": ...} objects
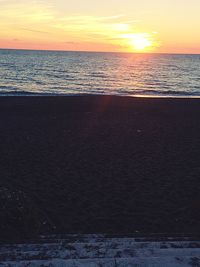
[{"x": 95, "y": 164}]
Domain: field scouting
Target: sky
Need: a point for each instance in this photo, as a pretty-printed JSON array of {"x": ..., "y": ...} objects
[{"x": 159, "y": 26}]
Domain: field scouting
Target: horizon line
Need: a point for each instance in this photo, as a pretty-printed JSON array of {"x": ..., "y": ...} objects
[{"x": 88, "y": 51}]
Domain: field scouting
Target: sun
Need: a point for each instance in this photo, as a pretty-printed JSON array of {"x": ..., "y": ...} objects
[{"x": 141, "y": 42}]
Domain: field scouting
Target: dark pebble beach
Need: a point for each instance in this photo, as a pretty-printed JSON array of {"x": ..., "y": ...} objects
[{"x": 98, "y": 164}]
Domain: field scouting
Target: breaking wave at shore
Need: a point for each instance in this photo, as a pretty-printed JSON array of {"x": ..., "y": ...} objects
[{"x": 75, "y": 73}]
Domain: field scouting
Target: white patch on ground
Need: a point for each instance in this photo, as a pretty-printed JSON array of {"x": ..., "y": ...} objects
[{"x": 102, "y": 251}]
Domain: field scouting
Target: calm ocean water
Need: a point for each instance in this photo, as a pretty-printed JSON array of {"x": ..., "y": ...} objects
[{"x": 45, "y": 72}]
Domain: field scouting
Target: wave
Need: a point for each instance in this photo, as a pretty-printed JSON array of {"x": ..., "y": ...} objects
[
  {"x": 8, "y": 87},
  {"x": 153, "y": 93},
  {"x": 16, "y": 92},
  {"x": 167, "y": 92},
  {"x": 63, "y": 77},
  {"x": 98, "y": 75}
]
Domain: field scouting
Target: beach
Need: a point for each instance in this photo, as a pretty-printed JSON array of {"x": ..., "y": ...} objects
[{"x": 98, "y": 164}]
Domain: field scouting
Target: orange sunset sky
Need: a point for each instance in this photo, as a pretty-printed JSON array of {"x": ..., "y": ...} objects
[{"x": 162, "y": 26}]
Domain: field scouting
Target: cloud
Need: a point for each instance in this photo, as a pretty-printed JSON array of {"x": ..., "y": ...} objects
[
  {"x": 80, "y": 18},
  {"x": 32, "y": 30},
  {"x": 93, "y": 27},
  {"x": 37, "y": 16},
  {"x": 71, "y": 43},
  {"x": 25, "y": 12}
]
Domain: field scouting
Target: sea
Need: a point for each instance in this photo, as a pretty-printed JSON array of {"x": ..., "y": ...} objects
[{"x": 27, "y": 72}]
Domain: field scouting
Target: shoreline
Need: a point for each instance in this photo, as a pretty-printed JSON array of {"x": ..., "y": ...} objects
[{"x": 29, "y": 94}]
